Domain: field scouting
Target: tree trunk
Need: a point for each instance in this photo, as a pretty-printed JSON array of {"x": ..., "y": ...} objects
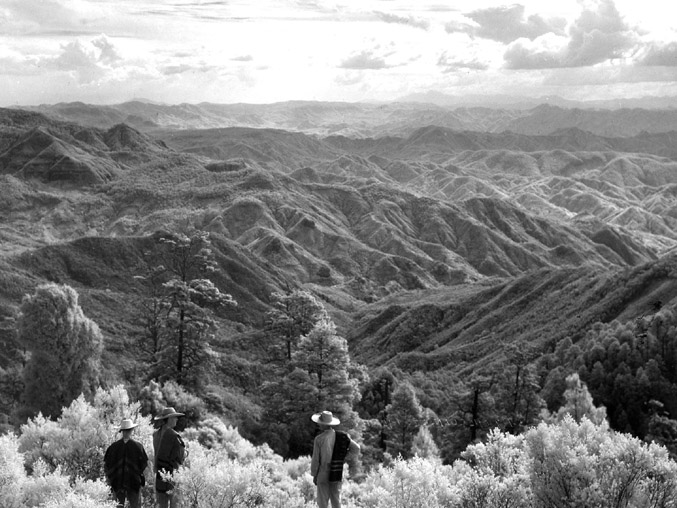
[{"x": 180, "y": 347}]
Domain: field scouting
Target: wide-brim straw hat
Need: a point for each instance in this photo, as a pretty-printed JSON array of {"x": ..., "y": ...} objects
[
  {"x": 127, "y": 424},
  {"x": 325, "y": 418},
  {"x": 167, "y": 412}
]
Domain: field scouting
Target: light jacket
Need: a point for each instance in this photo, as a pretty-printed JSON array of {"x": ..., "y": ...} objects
[{"x": 323, "y": 452}]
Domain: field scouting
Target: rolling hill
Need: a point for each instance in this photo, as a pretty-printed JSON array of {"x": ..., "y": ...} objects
[
  {"x": 542, "y": 116},
  {"x": 432, "y": 246}
]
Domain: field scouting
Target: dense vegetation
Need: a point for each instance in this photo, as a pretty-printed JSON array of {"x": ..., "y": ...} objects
[
  {"x": 566, "y": 462},
  {"x": 472, "y": 346},
  {"x": 498, "y": 436}
]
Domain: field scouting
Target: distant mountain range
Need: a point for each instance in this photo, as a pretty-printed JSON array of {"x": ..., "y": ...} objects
[
  {"x": 524, "y": 102},
  {"x": 379, "y": 209},
  {"x": 362, "y": 120}
]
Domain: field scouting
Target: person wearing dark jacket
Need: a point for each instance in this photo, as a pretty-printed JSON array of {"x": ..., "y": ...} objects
[
  {"x": 124, "y": 464},
  {"x": 331, "y": 449},
  {"x": 170, "y": 452}
]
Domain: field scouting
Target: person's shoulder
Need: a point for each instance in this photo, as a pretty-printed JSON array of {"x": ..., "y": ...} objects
[
  {"x": 113, "y": 446},
  {"x": 116, "y": 443}
]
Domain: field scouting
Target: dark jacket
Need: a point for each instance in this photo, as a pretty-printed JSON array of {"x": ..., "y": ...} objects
[
  {"x": 124, "y": 464},
  {"x": 170, "y": 451}
]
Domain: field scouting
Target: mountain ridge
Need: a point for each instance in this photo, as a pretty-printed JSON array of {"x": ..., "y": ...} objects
[
  {"x": 431, "y": 251},
  {"x": 379, "y": 119}
]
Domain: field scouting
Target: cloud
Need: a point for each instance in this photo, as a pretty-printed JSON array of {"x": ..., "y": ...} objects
[
  {"x": 455, "y": 64},
  {"x": 170, "y": 70},
  {"x": 404, "y": 20},
  {"x": 243, "y": 58},
  {"x": 350, "y": 78},
  {"x": 599, "y": 34},
  {"x": 543, "y": 53},
  {"x": 108, "y": 54},
  {"x": 460, "y": 26},
  {"x": 364, "y": 60},
  {"x": 659, "y": 55},
  {"x": 87, "y": 60},
  {"x": 36, "y": 16},
  {"x": 607, "y": 75},
  {"x": 506, "y": 24}
]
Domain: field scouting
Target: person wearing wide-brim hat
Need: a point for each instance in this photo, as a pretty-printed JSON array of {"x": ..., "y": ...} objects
[
  {"x": 331, "y": 449},
  {"x": 124, "y": 463},
  {"x": 170, "y": 452}
]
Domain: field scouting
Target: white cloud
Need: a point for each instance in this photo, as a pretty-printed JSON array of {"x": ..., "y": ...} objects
[
  {"x": 599, "y": 34},
  {"x": 656, "y": 54},
  {"x": 451, "y": 64},
  {"x": 265, "y": 50},
  {"x": 404, "y": 20},
  {"x": 364, "y": 60},
  {"x": 508, "y": 23},
  {"x": 88, "y": 60},
  {"x": 242, "y": 58}
]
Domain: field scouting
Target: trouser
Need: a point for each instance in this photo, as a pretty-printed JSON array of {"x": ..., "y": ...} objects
[
  {"x": 329, "y": 491},
  {"x": 169, "y": 499},
  {"x": 133, "y": 496}
]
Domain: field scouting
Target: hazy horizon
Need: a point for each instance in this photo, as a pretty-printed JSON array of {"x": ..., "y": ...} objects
[{"x": 268, "y": 51}]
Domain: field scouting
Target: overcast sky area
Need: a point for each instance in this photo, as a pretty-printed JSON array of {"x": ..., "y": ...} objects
[{"x": 263, "y": 51}]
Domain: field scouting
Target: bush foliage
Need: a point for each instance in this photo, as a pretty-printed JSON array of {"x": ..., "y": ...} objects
[{"x": 56, "y": 464}]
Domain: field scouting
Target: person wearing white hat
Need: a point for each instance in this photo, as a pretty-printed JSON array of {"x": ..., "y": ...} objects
[
  {"x": 331, "y": 448},
  {"x": 170, "y": 452},
  {"x": 124, "y": 464}
]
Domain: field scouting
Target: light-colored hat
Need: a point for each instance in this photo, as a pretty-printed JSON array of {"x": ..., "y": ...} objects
[
  {"x": 167, "y": 412},
  {"x": 325, "y": 418},
  {"x": 127, "y": 424}
]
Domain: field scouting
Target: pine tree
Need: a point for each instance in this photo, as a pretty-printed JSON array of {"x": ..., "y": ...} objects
[
  {"x": 178, "y": 314},
  {"x": 65, "y": 349},
  {"x": 320, "y": 378},
  {"x": 404, "y": 417},
  {"x": 293, "y": 315}
]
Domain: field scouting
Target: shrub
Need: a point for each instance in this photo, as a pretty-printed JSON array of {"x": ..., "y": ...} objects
[
  {"x": 76, "y": 442},
  {"x": 210, "y": 481},
  {"x": 44, "y": 488},
  {"x": 414, "y": 483}
]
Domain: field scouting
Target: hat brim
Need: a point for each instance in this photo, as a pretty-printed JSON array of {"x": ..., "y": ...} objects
[
  {"x": 316, "y": 419},
  {"x": 164, "y": 417},
  {"x": 128, "y": 428}
]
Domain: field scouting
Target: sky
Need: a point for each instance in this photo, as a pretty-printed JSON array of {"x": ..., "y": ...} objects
[{"x": 265, "y": 51}]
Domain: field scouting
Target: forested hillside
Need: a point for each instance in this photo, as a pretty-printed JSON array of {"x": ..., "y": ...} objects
[{"x": 449, "y": 294}]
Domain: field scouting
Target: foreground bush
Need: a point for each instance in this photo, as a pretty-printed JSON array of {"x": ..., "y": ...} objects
[
  {"x": 44, "y": 488},
  {"x": 557, "y": 465},
  {"x": 560, "y": 464}
]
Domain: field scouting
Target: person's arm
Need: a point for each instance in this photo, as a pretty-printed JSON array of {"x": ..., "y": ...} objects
[
  {"x": 143, "y": 458},
  {"x": 315, "y": 461},
  {"x": 176, "y": 450},
  {"x": 108, "y": 464},
  {"x": 354, "y": 466},
  {"x": 353, "y": 450}
]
